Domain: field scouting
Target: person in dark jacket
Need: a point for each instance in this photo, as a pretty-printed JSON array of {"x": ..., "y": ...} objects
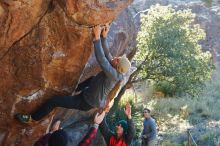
[
  {"x": 149, "y": 132},
  {"x": 95, "y": 91},
  {"x": 124, "y": 131}
]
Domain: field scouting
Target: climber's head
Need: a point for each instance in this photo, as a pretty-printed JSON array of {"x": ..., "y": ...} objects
[
  {"x": 58, "y": 138},
  {"x": 121, "y": 64}
]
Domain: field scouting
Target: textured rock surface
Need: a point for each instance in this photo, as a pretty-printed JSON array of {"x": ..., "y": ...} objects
[{"x": 44, "y": 47}]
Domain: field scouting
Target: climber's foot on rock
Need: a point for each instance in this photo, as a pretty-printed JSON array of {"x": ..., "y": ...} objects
[{"x": 23, "y": 118}]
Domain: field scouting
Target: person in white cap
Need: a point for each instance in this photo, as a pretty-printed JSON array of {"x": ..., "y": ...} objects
[{"x": 95, "y": 90}]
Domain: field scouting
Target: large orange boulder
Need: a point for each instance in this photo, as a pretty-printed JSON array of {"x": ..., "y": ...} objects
[{"x": 44, "y": 47}]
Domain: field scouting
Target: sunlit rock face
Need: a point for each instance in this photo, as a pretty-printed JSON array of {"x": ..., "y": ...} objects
[{"x": 44, "y": 48}]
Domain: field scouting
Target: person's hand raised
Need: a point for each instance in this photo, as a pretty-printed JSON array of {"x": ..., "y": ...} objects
[
  {"x": 55, "y": 126},
  {"x": 127, "y": 110},
  {"x": 99, "y": 117}
]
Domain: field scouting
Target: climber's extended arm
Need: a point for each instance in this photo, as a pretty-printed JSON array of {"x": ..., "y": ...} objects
[{"x": 105, "y": 46}]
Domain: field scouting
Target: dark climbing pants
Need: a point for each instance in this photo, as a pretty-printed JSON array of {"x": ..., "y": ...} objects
[{"x": 69, "y": 102}]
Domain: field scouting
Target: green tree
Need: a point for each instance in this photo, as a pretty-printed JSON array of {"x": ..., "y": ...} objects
[
  {"x": 169, "y": 49},
  {"x": 169, "y": 52}
]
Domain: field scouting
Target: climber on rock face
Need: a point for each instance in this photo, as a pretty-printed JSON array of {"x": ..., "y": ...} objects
[{"x": 96, "y": 90}]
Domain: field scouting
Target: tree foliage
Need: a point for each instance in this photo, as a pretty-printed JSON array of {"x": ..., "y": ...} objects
[
  {"x": 169, "y": 50},
  {"x": 169, "y": 53}
]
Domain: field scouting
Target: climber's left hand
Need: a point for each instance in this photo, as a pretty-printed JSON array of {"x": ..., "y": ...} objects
[{"x": 97, "y": 31}]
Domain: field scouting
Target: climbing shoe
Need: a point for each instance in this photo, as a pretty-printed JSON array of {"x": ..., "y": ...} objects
[{"x": 23, "y": 118}]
